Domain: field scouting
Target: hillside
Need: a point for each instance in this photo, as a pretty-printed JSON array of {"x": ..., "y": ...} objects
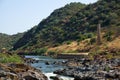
[
  {"x": 7, "y": 41},
  {"x": 36, "y": 36},
  {"x": 74, "y": 22}
]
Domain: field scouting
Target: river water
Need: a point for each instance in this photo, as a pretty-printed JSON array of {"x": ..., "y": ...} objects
[{"x": 48, "y": 69}]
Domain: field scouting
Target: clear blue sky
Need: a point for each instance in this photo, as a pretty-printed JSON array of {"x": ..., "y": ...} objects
[{"x": 21, "y": 15}]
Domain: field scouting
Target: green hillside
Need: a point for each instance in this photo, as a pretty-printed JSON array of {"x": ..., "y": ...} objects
[
  {"x": 7, "y": 41},
  {"x": 36, "y": 37},
  {"x": 73, "y": 22}
]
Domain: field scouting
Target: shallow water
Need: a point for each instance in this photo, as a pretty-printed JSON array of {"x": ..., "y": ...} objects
[{"x": 48, "y": 69}]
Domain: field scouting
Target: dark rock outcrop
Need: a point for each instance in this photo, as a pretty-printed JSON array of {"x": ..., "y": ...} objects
[{"x": 97, "y": 69}]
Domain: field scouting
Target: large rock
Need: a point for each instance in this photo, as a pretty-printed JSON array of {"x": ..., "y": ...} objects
[{"x": 20, "y": 72}]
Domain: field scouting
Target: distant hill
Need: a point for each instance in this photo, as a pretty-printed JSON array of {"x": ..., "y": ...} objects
[
  {"x": 7, "y": 41},
  {"x": 73, "y": 22}
]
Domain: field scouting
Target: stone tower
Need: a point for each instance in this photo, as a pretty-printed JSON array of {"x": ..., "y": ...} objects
[{"x": 99, "y": 34}]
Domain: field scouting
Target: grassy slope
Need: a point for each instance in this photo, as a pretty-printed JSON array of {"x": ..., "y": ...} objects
[
  {"x": 6, "y": 58},
  {"x": 107, "y": 47}
]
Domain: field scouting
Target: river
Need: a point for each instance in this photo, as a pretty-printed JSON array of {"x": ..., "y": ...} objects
[{"x": 48, "y": 69}]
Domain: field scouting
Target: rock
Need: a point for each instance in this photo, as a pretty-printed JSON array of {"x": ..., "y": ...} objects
[
  {"x": 30, "y": 60},
  {"x": 20, "y": 72},
  {"x": 3, "y": 73},
  {"x": 47, "y": 63},
  {"x": 59, "y": 71},
  {"x": 54, "y": 77},
  {"x": 28, "y": 77},
  {"x": 8, "y": 75},
  {"x": 84, "y": 78},
  {"x": 97, "y": 69},
  {"x": 113, "y": 75}
]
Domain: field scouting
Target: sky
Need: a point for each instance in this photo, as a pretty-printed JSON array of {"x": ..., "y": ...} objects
[{"x": 17, "y": 16}]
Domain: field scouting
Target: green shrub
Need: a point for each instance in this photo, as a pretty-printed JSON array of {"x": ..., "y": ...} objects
[
  {"x": 92, "y": 40},
  {"x": 107, "y": 68},
  {"x": 5, "y": 58},
  {"x": 52, "y": 53},
  {"x": 118, "y": 53},
  {"x": 56, "y": 44},
  {"x": 108, "y": 36},
  {"x": 40, "y": 51},
  {"x": 84, "y": 36},
  {"x": 68, "y": 42},
  {"x": 89, "y": 35}
]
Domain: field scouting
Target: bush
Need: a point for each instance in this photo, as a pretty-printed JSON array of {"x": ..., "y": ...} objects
[
  {"x": 92, "y": 40},
  {"x": 5, "y": 58},
  {"x": 56, "y": 44},
  {"x": 52, "y": 53},
  {"x": 40, "y": 51},
  {"x": 89, "y": 35},
  {"x": 85, "y": 36},
  {"x": 108, "y": 36},
  {"x": 68, "y": 42}
]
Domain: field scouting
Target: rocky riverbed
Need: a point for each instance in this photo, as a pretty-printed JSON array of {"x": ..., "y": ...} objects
[
  {"x": 98, "y": 68},
  {"x": 86, "y": 69},
  {"x": 14, "y": 71}
]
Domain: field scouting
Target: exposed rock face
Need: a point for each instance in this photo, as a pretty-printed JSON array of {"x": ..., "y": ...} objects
[
  {"x": 98, "y": 69},
  {"x": 20, "y": 72}
]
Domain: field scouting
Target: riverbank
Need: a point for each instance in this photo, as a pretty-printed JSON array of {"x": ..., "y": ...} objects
[
  {"x": 12, "y": 67},
  {"x": 45, "y": 68},
  {"x": 14, "y": 71},
  {"x": 86, "y": 69},
  {"x": 99, "y": 68}
]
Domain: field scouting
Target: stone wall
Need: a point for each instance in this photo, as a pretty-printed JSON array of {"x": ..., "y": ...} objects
[{"x": 71, "y": 56}]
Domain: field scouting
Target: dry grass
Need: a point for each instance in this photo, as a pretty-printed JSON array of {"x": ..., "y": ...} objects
[
  {"x": 65, "y": 47},
  {"x": 115, "y": 43},
  {"x": 83, "y": 46},
  {"x": 72, "y": 47}
]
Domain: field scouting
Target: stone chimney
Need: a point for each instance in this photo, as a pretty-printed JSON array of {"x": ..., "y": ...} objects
[{"x": 99, "y": 34}]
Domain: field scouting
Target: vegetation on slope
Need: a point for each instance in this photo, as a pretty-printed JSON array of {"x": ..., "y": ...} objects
[
  {"x": 7, "y": 41},
  {"x": 74, "y": 22},
  {"x": 6, "y": 58},
  {"x": 49, "y": 30}
]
